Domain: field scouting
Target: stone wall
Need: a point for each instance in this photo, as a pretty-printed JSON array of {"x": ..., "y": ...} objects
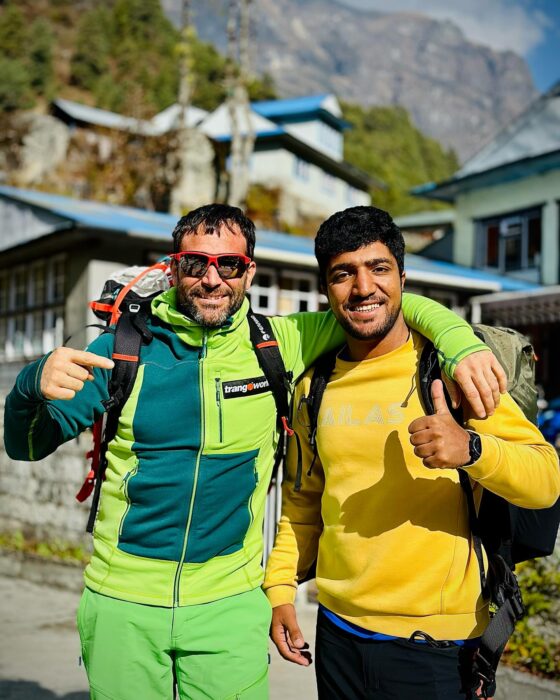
[{"x": 38, "y": 498}]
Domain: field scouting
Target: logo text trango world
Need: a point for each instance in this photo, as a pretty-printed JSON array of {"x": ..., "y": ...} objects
[{"x": 242, "y": 387}]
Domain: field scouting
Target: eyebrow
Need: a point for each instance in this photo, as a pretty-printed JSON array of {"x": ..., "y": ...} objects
[{"x": 351, "y": 266}]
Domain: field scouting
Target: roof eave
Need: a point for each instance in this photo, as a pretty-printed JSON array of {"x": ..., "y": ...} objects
[{"x": 449, "y": 190}]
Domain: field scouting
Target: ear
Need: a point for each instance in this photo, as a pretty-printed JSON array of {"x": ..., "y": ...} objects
[
  {"x": 251, "y": 270},
  {"x": 403, "y": 279}
]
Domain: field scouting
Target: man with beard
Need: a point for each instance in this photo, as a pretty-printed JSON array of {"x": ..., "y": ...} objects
[
  {"x": 380, "y": 509},
  {"x": 173, "y": 589}
]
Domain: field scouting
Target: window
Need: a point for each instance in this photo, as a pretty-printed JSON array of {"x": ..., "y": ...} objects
[
  {"x": 4, "y": 292},
  {"x": 330, "y": 138},
  {"x": 19, "y": 289},
  {"x": 329, "y": 183},
  {"x": 297, "y": 292},
  {"x": 31, "y": 308},
  {"x": 511, "y": 243},
  {"x": 301, "y": 169},
  {"x": 57, "y": 277},
  {"x": 264, "y": 292},
  {"x": 283, "y": 292},
  {"x": 39, "y": 287}
]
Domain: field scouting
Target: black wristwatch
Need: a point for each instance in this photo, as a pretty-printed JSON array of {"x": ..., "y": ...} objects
[{"x": 475, "y": 448}]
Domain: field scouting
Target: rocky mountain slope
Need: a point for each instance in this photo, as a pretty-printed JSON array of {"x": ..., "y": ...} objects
[{"x": 456, "y": 91}]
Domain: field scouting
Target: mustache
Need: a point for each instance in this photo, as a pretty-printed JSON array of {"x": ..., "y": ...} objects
[
  {"x": 200, "y": 294},
  {"x": 363, "y": 300}
]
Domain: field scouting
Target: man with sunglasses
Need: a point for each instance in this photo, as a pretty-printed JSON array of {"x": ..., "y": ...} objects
[{"x": 173, "y": 587}]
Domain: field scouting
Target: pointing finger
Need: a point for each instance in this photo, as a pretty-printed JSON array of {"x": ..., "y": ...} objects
[{"x": 90, "y": 359}]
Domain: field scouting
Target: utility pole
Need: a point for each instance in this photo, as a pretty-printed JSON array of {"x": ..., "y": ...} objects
[
  {"x": 184, "y": 101},
  {"x": 242, "y": 130}
]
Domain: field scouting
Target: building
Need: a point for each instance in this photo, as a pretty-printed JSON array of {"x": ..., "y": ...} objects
[
  {"x": 507, "y": 221},
  {"x": 299, "y": 151},
  {"x": 534, "y": 312},
  {"x": 57, "y": 252},
  {"x": 506, "y": 198},
  {"x": 428, "y": 232}
]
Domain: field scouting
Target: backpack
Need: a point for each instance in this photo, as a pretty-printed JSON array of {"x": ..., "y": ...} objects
[
  {"x": 124, "y": 306},
  {"x": 508, "y": 533}
]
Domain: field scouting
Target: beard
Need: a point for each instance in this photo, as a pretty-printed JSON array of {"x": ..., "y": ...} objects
[
  {"x": 208, "y": 316},
  {"x": 370, "y": 331}
]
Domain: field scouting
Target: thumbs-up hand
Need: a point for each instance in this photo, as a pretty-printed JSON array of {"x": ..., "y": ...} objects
[{"x": 439, "y": 440}]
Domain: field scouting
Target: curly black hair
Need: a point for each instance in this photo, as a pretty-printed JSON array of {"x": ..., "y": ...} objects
[
  {"x": 210, "y": 218},
  {"x": 354, "y": 228}
]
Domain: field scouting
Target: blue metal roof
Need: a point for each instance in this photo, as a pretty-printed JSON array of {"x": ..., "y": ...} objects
[
  {"x": 129, "y": 220},
  {"x": 264, "y": 133},
  {"x": 287, "y": 109},
  {"x": 439, "y": 267},
  {"x": 293, "y": 105},
  {"x": 414, "y": 264},
  {"x": 97, "y": 214}
]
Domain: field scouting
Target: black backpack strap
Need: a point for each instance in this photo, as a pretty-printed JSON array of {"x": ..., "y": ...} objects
[
  {"x": 506, "y": 595},
  {"x": 130, "y": 332},
  {"x": 321, "y": 374},
  {"x": 279, "y": 379},
  {"x": 501, "y": 585},
  {"x": 428, "y": 371},
  {"x": 271, "y": 362}
]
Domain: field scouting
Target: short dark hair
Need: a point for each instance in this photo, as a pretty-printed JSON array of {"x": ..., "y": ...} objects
[
  {"x": 354, "y": 228},
  {"x": 211, "y": 218}
]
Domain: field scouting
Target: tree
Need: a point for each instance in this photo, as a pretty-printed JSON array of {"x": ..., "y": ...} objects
[
  {"x": 384, "y": 143},
  {"x": 90, "y": 61},
  {"x": 40, "y": 53},
  {"x": 15, "y": 86},
  {"x": 13, "y": 32}
]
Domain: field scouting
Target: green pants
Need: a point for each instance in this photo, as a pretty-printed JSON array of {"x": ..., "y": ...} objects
[{"x": 215, "y": 651}]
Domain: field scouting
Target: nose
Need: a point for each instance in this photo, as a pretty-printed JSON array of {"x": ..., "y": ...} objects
[
  {"x": 364, "y": 283},
  {"x": 211, "y": 277}
]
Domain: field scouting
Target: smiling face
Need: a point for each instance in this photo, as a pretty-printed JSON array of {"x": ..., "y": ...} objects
[
  {"x": 364, "y": 288},
  {"x": 210, "y": 300}
]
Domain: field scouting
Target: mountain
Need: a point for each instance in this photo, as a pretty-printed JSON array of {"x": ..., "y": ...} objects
[{"x": 456, "y": 91}]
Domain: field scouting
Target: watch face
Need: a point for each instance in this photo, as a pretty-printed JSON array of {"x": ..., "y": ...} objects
[{"x": 475, "y": 447}]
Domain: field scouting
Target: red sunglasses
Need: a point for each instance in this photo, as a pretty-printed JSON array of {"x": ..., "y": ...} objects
[{"x": 194, "y": 264}]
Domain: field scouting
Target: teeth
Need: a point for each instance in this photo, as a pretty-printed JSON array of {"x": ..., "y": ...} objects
[{"x": 367, "y": 307}]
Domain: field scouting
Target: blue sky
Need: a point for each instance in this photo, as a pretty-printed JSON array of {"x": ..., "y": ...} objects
[{"x": 531, "y": 28}]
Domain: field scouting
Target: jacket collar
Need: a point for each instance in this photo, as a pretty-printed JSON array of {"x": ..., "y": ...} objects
[{"x": 165, "y": 308}]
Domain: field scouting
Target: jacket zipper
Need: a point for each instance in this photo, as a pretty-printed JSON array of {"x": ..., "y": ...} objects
[
  {"x": 176, "y": 583},
  {"x": 220, "y": 410}
]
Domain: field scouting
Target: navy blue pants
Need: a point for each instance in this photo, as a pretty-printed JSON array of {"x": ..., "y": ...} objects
[{"x": 351, "y": 668}]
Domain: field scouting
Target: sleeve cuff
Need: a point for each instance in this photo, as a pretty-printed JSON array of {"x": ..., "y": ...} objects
[
  {"x": 449, "y": 363},
  {"x": 489, "y": 460},
  {"x": 281, "y": 595},
  {"x": 29, "y": 381}
]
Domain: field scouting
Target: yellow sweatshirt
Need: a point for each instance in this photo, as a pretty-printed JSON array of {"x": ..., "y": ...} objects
[{"x": 391, "y": 537}]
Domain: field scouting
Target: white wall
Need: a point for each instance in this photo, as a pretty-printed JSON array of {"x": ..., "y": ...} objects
[
  {"x": 320, "y": 135},
  {"x": 316, "y": 193},
  {"x": 98, "y": 272}
]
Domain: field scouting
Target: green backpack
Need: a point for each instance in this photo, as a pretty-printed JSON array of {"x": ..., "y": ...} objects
[{"x": 516, "y": 355}]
